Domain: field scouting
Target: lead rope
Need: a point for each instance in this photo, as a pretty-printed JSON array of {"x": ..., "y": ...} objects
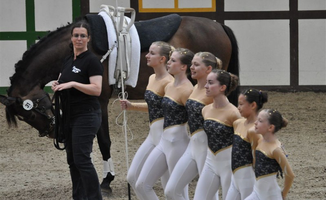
[
  {"x": 60, "y": 135},
  {"x": 121, "y": 114},
  {"x": 108, "y": 53}
]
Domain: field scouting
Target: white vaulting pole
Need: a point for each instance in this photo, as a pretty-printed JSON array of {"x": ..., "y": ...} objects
[
  {"x": 124, "y": 125},
  {"x": 123, "y": 76}
]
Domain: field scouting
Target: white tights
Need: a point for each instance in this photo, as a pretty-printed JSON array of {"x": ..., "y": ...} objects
[
  {"x": 266, "y": 188},
  {"x": 163, "y": 158},
  {"x": 188, "y": 167},
  {"x": 152, "y": 140},
  {"x": 217, "y": 172},
  {"x": 242, "y": 184}
]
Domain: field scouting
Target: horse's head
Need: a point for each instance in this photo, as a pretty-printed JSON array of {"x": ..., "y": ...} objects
[
  {"x": 35, "y": 108},
  {"x": 39, "y": 65}
]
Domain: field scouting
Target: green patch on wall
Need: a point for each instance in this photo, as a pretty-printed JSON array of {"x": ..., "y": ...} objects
[{"x": 3, "y": 90}]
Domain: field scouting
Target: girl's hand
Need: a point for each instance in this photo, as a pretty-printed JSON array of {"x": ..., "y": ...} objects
[
  {"x": 125, "y": 104},
  {"x": 283, "y": 197}
]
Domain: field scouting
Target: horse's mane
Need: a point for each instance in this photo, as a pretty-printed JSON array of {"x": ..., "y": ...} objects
[{"x": 23, "y": 64}]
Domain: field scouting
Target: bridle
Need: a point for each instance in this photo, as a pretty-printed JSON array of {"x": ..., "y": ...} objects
[{"x": 36, "y": 106}]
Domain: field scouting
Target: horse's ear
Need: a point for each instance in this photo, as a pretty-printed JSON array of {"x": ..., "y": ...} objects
[{"x": 6, "y": 101}]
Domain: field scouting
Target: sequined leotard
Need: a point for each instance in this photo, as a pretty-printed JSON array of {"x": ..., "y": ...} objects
[
  {"x": 270, "y": 163},
  {"x": 219, "y": 135},
  {"x": 218, "y": 125},
  {"x": 241, "y": 153},
  {"x": 154, "y": 102},
  {"x": 266, "y": 166},
  {"x": 195, "y": 118},
  {"x": 243, "y": 177},
  {"x": 174, "y": 113},
  {"x": 266, "y": 171}
]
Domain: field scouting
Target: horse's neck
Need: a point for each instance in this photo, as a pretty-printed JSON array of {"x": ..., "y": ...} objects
[{"x": 46, "y": 59}]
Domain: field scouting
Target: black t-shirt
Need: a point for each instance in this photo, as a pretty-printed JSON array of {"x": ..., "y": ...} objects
[{"x": 79, "y": 70}]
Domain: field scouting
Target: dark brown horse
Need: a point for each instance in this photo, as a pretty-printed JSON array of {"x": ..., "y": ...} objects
[{"x": 42, "y": 63}]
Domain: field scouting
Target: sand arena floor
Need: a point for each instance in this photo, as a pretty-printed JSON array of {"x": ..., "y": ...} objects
[{"x": 31, "y": 167}]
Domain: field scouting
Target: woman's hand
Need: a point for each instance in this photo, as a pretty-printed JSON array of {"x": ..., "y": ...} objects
[
  {"x": 62, "y": 86},
  {"x": 54, "y": 84},
  {"x": 125, "y": 104}
]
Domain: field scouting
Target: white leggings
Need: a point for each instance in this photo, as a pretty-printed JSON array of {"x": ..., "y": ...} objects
[
  {"x": 266, "y": 188},
  {"x": 242, "y": 184},
  {"x": 255, "y": 196},
  {"x": 217, "y": 172},
  {"x": 163, "y": 158},
  {"x": 190, "y": 164},
  {"x": 152, "y": 140}
]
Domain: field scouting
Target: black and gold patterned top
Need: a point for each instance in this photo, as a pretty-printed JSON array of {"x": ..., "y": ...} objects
[
  {"x": 241, "y": 153},
  {"x": 195, "y": 118},
  {"x": 266, "y": 166},
  {"x": 219, "y": 135},
  {"x": 174, "y": 113},
  {"x": 154, "y": 102}
]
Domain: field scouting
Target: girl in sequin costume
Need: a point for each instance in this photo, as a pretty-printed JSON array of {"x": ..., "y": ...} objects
[
  {"x": 270, "y": 158},
  {"x": 192, "y": 161},
  {"x": 175, "y": 138},
  {"x": 218, "y": 125},
  {"x": 243, "y": 178},
  {"x": 157, "y": 57}
]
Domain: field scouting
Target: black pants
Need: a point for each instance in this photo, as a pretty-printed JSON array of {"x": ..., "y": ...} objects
[{"x": 84, "y": 126}]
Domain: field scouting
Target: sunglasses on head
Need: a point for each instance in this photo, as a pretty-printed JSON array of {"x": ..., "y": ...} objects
[{"x": 81, "y": 35}]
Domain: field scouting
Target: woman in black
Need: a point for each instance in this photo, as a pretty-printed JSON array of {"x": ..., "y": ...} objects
[{"x": 80, "y": 81}]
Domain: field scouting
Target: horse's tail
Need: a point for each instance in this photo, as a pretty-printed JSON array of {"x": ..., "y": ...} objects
[{"x": 234, "y": 62}]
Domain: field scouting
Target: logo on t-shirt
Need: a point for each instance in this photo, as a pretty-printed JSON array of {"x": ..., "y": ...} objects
[{"x": 75, "y": 70}]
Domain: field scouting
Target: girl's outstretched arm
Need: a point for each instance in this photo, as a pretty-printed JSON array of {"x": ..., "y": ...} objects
[{"x": 127, "y": 105}]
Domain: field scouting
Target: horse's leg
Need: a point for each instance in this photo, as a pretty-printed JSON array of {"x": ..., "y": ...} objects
[
  {"x": 104, "y": 142},
  {"x": 103, "y": 136}
]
